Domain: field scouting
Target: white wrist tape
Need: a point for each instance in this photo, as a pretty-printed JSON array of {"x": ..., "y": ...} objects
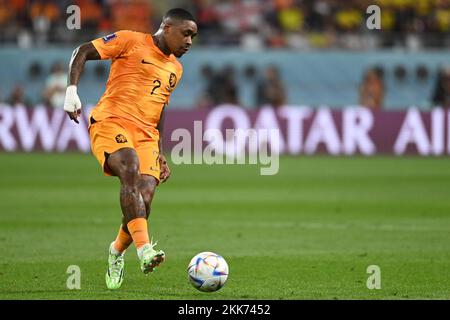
[{"x": 72, "y": 101}]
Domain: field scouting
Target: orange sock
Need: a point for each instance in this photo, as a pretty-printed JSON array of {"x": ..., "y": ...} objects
[
  {"x": 139, "y": 232},
  {"x": 122, "y": 241}
]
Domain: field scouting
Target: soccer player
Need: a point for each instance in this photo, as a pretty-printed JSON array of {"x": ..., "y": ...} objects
[{"x": 125, "y": 127}]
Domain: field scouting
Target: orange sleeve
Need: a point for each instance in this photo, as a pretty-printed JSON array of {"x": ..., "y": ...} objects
[
  {"x": 116, "y": 44},
  {"x": 179, "y": 75}
]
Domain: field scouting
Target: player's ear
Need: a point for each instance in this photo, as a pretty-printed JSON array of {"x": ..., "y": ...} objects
[{"x": 167, "y": 27}]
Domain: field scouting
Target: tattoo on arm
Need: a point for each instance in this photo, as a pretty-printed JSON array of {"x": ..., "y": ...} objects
[{"x": 80, "y": 55}]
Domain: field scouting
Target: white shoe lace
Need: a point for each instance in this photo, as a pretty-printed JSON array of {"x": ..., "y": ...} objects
[
  {"x": 116, "y": 265},
  {"x": 153, "y": 244}
]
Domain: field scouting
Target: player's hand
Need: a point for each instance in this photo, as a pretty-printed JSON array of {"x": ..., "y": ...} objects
[
  {"x": 72, "y": 103},
  {"x": 165, "y": 171}
]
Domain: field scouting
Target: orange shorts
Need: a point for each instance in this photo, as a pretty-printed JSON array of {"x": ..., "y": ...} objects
[{"x": 112, "y": 134}]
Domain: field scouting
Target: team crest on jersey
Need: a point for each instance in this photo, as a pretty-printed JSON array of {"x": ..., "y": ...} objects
[
  {"x": 172, "y": 80},
  {"x": 109, "y": 37},
  {"x": 120, "y": 138}
]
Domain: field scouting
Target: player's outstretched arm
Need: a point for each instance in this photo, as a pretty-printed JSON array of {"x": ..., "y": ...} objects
[{"x": 72, "y": 103}]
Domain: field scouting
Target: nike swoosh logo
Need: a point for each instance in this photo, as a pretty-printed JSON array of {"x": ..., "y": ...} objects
[{"x": 154, "y": 64}]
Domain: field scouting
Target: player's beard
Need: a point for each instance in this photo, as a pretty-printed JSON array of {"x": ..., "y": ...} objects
[{"x": 181, "y": 52}]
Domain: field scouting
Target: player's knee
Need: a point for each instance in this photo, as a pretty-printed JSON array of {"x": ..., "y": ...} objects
[
  {"x": 130, "y": 173},
  {"x": 147, "y": 196},
  {"x": 147, "y": 189},
  {"x": 128, "y": 169}
]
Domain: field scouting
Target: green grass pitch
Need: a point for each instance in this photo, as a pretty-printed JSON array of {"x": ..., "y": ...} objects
[{"x": 309, "y": 232}]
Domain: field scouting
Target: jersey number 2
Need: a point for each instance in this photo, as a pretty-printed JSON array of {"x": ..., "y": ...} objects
[{"x": 158, "y": 84}]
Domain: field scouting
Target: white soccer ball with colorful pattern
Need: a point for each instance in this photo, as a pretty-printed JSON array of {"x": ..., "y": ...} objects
[{"x": 208, "y": 271}]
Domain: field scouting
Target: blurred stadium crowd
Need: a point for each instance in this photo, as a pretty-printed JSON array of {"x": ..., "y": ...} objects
[
  {"x": 250, "y": 87},
  {"x": 248, "y": 26},
  {"x": 300, "y": 24}
]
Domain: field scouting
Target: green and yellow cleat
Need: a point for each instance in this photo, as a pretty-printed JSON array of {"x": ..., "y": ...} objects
[
  {"x": 114, "y": 274},
  {"x": 151, "y": 258}
]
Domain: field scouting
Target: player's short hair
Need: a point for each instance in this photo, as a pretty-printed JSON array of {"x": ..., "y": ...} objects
[{"x": 179, "y": 14}]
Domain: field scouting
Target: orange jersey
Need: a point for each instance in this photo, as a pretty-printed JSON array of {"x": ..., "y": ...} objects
[{"x": 140, "y": 81}]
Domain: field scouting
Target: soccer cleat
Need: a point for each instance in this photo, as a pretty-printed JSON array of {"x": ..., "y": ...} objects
[
  {"x": 151, "y": 258},
  {"x": 114, "y": 274}
]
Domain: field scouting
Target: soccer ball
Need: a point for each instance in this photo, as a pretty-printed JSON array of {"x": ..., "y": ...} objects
[{"x": 208, "y": 271}]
